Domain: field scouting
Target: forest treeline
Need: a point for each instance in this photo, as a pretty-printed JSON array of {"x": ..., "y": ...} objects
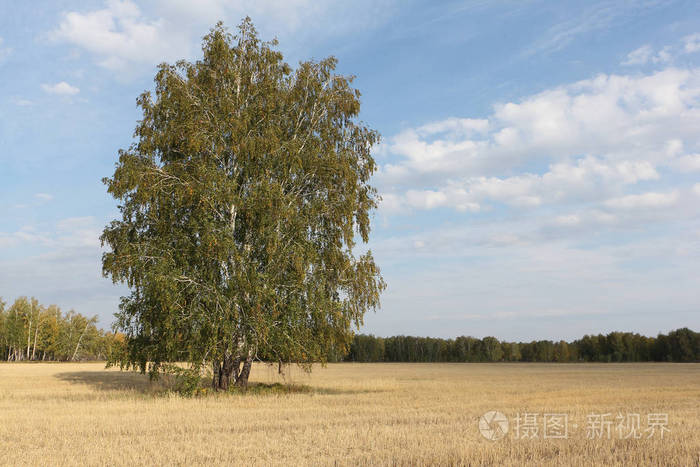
[
  {"x": 682, "y": 345},
  {"x": 31, "y": 331}
]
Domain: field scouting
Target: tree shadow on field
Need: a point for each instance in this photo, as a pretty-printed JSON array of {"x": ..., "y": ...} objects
[
  {"x": 109, "y": 380},
  {"x": 140, "y": 383}
]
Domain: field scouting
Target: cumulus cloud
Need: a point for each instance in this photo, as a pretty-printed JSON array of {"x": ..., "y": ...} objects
[
  {"x": 125, "y": 39},
  {"x": 590, "y": 141},
  {"x": 455, "y": 126},
  {"x": 648, "y": 54},
  {"x": 119, "y": 36},
  {"x": 60, "y": 89},
  {"x": 644, "y": 201},
  {"x": 587, "y": 179},
  {"x": 559, "y": 195}
]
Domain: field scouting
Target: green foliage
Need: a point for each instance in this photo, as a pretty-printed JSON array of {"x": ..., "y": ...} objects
[
  {"x": 185, "y": 381},
  {"x": 367, "y": 349},
  {"x": 682, "y": 345},
  {"x": 30, "y": 331},
  {"x": 240, "y": 206}
]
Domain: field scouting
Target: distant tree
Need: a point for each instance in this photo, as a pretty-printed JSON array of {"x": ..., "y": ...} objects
[
  {"x": 81, "y": 334},
  {"x": 514, "y": 354},
  {"x": 17, "y": 332},
  {"x": 241, "y": 203},
  {"x": 528, "y": 351},
  {"x": 51, "y": 333},
  {"x": 562, "y": 352},
  {"x": 492, "y": 349},
  {"x": 684, "y": 345}
]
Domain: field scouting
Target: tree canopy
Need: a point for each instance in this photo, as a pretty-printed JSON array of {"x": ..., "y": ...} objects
[{"x": 241, "y": 202}]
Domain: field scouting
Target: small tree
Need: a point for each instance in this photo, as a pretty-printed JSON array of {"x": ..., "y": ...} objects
[{"x": 240, "y": 202}]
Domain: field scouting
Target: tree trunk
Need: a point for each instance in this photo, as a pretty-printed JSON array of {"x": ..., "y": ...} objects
[
  {"x": 225, "y": 374},
  {"x": 226, "y": 371},
  {"x": 216, "y": 367},
  {"x": 242, "y": 380},
  {"x": 36, "y": 334},
  {"x": 29, "y": 333},
  {"x": 79, "y": 340},
  {"x": 236, "y": 369}
]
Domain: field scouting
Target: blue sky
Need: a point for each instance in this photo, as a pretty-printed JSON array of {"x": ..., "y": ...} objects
[{"x": 540, "y": 162}]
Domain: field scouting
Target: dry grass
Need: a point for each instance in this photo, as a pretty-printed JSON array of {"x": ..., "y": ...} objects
[{"x": 52, "y": 414}]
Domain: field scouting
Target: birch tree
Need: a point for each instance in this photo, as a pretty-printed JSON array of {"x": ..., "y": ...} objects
[{"x": 241, "y": 203}]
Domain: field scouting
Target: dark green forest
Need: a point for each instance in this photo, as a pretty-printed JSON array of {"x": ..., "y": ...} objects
[{"x": 681, "y": 345}]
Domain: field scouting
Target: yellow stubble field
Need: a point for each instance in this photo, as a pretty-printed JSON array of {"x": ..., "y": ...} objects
[{"x": 349, "y": 414}]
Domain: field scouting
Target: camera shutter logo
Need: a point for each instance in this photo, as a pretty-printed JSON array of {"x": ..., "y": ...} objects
[{"x": 493, "y": 425}]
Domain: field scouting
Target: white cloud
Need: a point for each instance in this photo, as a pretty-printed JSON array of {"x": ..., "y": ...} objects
[
  {"x": 43, "y": 197},
  {"x": 455, "y": 126},
  {"x": 575, "y": 190},
  {"x": 663, "y": 56},
  {"x": 25, "y": 235},
  {"x": 22, "y": 102},
  {"x": 587, "y": 179},
  {"x": 74, "y": 232},
  {"x": 639, "y": 56},
  {"x": 390, "y": 202},
  {"x": 646, "y": 54},
  {"x": 519, "y": 265},
  {"x": 61, "y": 89},
  {"x": 119, "y": 36},
  {"x": 644, "y": 201},
  {"x": 591, "y": 141},
  {"x": 688, "y": 162},
  {"x": 692, "y": 43},
  {"x": 287, "y": 18},
  {"x": 569, "y": 219},
  {"x": 426, "y": 199},
  {"x": 124, "y": 39}
]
